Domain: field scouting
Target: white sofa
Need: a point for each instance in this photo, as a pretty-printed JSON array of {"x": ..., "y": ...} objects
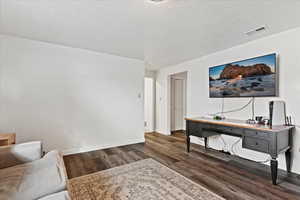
[{"x": 26, "y": 175}]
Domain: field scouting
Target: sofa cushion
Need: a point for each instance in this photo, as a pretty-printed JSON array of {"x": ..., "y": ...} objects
[
  {"x": 20, "y": 153},
  {"x": 57, "y": 196},
  {"x": 35, "y": 179}
]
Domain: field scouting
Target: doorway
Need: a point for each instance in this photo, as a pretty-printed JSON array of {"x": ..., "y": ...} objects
[
  {"x": 178, "y": 102},
  {"x": 149, "y": 95}
]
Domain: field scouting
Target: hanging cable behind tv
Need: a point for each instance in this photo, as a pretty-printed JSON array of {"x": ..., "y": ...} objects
[{"x": 221, "y": 115}]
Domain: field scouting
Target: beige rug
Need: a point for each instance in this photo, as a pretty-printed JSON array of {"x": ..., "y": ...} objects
[{"x": 142, "y": 180}]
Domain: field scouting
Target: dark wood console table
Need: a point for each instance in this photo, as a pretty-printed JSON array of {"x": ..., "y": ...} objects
[{"x": 262, "y": 138}]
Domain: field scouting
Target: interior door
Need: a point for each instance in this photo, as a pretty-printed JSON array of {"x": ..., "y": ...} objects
[
  {"x": 148, "y": 105},
  {"x": 178, "y": 104}
]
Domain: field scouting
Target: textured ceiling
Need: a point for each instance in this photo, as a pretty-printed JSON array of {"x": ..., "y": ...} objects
[
  {"x": 109, "y": 26},
  {"x": 162, "y": 34},
  {"x": 181, "y": 30}
]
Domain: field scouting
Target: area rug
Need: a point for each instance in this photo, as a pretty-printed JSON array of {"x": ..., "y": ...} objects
[{"x": 142, "y": 180}]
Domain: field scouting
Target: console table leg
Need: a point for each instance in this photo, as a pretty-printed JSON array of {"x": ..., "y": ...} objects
[
  {"x": 205, "y": 142},
  {"x": 188, "y": 143},
  {"x": 274, "y": 168},
  {"x": 288, "y": 159}
]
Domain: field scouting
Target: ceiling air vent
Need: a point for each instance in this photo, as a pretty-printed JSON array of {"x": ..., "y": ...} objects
[
  {"x": 257, "y": 30},
  {"x": 156, "y": 1}
]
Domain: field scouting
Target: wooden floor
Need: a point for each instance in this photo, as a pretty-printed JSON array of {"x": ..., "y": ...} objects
[{"x": 228, "y": 176}]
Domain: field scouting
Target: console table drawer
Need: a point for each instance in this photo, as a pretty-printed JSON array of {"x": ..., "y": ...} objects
[
  {"x": 256, "y": 144},
  {"x": 257, "y": 134},
  {"x": 194, "y": 128},
  {"x": 228, "y": 130}
]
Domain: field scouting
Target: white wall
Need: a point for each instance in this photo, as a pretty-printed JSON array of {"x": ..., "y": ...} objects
[
  {"x": 72, "y": 99},
  {"x": 286, "y": 44},
  {"x": 150, "y": 73}
]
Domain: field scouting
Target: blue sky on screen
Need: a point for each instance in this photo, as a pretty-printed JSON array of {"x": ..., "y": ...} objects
[{"x": 269, "y": 60}]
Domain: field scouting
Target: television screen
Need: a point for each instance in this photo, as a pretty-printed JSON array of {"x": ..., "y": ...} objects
[{"x": 255, "y": 77}]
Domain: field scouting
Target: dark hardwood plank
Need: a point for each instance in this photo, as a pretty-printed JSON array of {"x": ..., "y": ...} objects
[{"x": 228, "y": 176}]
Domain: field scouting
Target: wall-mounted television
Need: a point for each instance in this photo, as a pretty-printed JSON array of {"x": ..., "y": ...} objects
[{"x": 254, "y": 77}]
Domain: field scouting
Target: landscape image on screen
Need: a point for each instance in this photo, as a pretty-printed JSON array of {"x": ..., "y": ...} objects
[{"x": 254, "y": 77}]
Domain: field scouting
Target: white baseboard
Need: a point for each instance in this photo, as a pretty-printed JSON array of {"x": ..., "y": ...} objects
[{"x": 99, "y": 147}]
